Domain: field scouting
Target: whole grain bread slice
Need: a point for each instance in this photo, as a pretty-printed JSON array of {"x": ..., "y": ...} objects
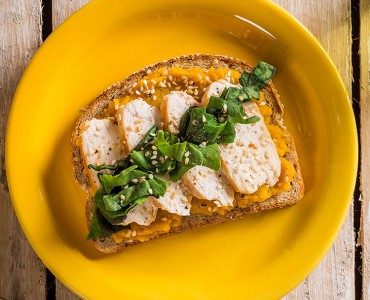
[{"x": 96, "y": 109}]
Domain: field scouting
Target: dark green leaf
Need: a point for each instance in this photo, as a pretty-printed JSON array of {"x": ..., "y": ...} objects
[{"x": 147, "y": 138}]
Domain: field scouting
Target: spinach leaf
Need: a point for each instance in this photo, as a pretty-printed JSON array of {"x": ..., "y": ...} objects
[
  {"x": 203, "y": 127},
  {"x": 120, "y": 164},
  {"x": 254, "y": 82},
  {"x": 150, "y": 135},
  {"x": 100, "y": 227}
]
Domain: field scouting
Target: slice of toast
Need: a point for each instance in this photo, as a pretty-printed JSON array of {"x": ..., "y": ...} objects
[{"x": 272, "y": 99}]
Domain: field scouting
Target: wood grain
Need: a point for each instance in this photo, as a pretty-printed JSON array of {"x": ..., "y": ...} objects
[
  {"x": 330, "y": 22},
  {"x": 364, "y": 240},
  {"x": 22, "y": 275}
]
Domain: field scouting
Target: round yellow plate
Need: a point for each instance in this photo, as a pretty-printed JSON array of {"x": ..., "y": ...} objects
[{"x": 259, "y": 257}]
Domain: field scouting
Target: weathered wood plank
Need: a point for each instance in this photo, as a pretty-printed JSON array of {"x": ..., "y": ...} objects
[
  {"x": 61, "y": 10},
  {"x": 22, "y": 275},
  {"x": 365, "y": 143},
  {"x": 330, "y": 22}
]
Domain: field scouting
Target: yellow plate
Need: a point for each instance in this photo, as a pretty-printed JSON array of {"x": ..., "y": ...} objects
[{"x": 259, "y": 257}]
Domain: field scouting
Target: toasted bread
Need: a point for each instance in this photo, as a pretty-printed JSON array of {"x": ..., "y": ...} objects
[{"x": 272, "y": 99}]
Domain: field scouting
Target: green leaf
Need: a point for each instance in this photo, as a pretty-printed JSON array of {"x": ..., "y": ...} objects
[
  {"x": 254, "y": 82},
  {"x": 109, "y": 182},
  {"x": 149, "y": 137},
  {"x": 100, "y": 227},
  {"x": 203, "y": 127},
  {"x": 120, "y": 164}
]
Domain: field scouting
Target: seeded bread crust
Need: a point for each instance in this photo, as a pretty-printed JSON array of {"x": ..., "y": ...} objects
[{"x": 96, "y": 109}]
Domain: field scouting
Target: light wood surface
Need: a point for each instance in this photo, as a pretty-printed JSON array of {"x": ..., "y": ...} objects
[
  {"x": 21, "y": 271},
  {"x": 22, "y": 275}
]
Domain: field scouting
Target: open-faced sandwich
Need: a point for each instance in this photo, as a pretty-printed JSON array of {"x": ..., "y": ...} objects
[{"x": 185, "y": 143}]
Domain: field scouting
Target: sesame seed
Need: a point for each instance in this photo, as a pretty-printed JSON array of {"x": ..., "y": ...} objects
[
  {"x": 133, "y": 233},
  {"x": 224, "y": 108},
  {"x": 286, "y": 178},
  {"x": 187, "y": 153},
  {"x": 126, "y": 186},
  {"x": 156, "y": 170},
  {"x": 146, "y": 154},
  {"x": 203, "y": 144},
  {"x": 191, "y": 82},
  {"x": 153, "y": 157},
  {"x": 154, "y": 162},
  {"x": 162, "y": 84},
  {"x": 119, "y": 117},
  {"x": 207, "y": 78},
  {"x": 145, "y": 82},
  {"x": 195, "y": 122},
  {"x": 169, "y": 168},
  {"x": 137, "y": 92},
  {"x": 154, "y": 147},
  {"x": 141, "y": 88},
  {"x": 135, "y": 180},
  {"x": 209, "y": 209},
  {"x": 169, "y": 85},
  {"x": 116, "y": 106},
  {"x": 199, "y": 76},
  {"x": 155, "y": 152},
  {"x": 122, "y": 197},
  {"x": 170, "y": 77},
  {"x": 240, "y": 98},
  {"x": 164, "y": 219},
  {"x": 161, "y": 159},
  {"x": 151, "y": 176},
  {"x": 149, "y": 71},
  {"x": 129, "y": 241},
  {"x": 263, "y": 103},
  {"x": 154, "y": 97},
  {"x": 150, "y": 191},
  {"x": 152, "y": 134},
  {"x": 135, "y": 84},
  {"x": 204, "y": 118},
  {"x": 165, "y": 72},
  {"x": 186, "y": 160},
  {"x": 214, "y": 209}
]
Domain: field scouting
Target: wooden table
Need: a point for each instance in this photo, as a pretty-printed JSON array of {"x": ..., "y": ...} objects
[{"x": 342, "y": 27}]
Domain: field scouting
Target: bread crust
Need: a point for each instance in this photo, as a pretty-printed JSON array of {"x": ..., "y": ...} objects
[{"x": 205, "y": 61}]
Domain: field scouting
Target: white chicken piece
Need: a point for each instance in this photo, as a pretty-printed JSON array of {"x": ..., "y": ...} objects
[
  {"x": 215, "y": 89},
  {"x": 252, "y": 159},
  {"x": 142, "y": 214},
  {"x": 100, "y": 144},
  {"x": 177, "y": 199},
  {"x": 208, "y": 184},
  {"x": 173, "y": 107},
  {"x": 134, "y": 121}
]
